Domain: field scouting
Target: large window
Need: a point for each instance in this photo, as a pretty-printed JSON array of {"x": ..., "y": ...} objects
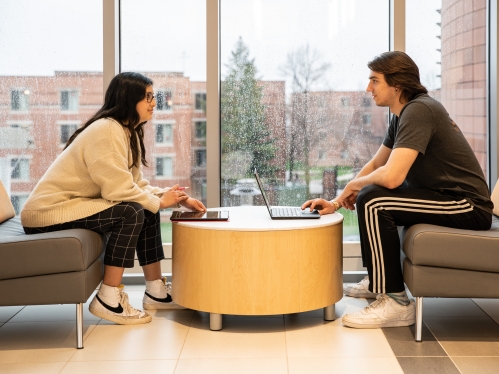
[
  {"x": 50, "y": 80},
  {"x": 293, "y": 100}
]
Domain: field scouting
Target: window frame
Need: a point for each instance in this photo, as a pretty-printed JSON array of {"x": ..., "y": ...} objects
[
  {"x": 170, "y": 123},
  {"x": 164, "y": 155},
  {"x": 23, "y": 90}
]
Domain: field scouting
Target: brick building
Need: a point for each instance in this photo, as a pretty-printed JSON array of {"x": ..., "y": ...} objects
[{"x": 464, "y": 86}]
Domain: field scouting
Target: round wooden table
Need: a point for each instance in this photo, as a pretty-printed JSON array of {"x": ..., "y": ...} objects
[{"x": 253, "y": 265}]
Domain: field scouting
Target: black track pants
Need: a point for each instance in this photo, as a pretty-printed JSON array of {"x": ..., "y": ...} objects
[{"x": 381, "y": 210}]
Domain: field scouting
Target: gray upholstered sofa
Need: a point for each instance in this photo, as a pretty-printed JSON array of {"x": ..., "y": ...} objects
[
  {"x": 444, "y": 262},
  {"x": 62, "y": 267}
]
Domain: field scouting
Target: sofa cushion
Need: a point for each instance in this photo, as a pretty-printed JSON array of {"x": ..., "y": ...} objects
[
  {"x": 6, "y": 208},
  {"x": 438, "y": 246},
  {"x": 64, "y": 251}
]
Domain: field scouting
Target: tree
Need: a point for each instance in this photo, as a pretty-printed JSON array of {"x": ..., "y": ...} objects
[
  {"x": 244, "y": 129},
  {"x": 306, "y": 70}
]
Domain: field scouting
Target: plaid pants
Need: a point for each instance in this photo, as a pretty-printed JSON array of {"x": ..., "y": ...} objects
[{"x": 131, "y": 228}]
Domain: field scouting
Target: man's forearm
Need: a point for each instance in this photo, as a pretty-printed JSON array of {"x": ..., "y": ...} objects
[
  {"x": 366, "y": 170},
  {"x": 379, "y": 176}
]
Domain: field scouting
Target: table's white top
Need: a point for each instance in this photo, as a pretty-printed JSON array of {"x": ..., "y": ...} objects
[{"x": 257, "y": 218}]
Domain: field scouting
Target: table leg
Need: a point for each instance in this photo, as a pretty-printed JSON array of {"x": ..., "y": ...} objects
[
  {"x": 215, "y": 321},
  {"x": 329, "y": 314}
]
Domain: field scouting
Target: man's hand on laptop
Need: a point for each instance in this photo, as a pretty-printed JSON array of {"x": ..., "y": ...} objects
[{"x": 323, "y": 206}]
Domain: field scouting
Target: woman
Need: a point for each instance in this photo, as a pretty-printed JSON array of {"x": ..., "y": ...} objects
[{"x": 96, "y": 183}]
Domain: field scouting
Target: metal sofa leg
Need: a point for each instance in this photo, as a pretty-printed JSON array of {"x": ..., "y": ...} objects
[
  {"x": 79, "y": 325},
  {"x": 419, "y": 318}
]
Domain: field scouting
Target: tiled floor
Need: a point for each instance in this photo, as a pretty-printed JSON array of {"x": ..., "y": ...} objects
[{"x": 460, "y": 336}]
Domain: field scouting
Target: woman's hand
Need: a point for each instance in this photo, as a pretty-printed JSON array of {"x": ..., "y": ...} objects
[
  {"x": 323, "y": 206},
  {"x": 193, "y": 204},
  {"x": 172, "y": 197}
]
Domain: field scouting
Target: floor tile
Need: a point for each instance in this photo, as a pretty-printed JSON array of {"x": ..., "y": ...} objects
[
  {"x": 333, "y": 340},
  {"x": 7, "y": 312},
  {"x": 401, "y": 340},
  {"x": 241, "y": 337},
  {"x": 376, "y": 365},
  {"x": 472, "y": 365},
  {"x": 427, "y": 365},
  {"x": 466, "y": 336},
  {"x": 29, "y": 368},
  {"x": 158, "y": 340},
  {"x": 435, "y": 306},
  {"x": 234, "y": 365},
  {"x": 121, "y": 367},
  {"x": 489, "y": 306},
  {"x": 39, "y": 342},
  {"x": 344, "y": 306}
]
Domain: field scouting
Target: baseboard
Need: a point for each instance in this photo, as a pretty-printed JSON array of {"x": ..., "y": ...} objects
[{"x": 132, "y": 279}]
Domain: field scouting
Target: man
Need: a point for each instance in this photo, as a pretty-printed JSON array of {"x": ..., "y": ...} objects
[{"x": 424, "y": 172}]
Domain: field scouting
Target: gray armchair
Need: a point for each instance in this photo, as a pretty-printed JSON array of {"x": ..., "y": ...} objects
[
  {"x": 444, "y": 262},
  {"x": 62, "y": 267}
]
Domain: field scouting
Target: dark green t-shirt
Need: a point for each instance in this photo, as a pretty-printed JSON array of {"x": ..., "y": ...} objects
[{"x": 445, "y": 162}]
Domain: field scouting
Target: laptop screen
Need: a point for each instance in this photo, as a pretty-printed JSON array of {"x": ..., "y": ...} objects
[{"x": 262, "y": 191}]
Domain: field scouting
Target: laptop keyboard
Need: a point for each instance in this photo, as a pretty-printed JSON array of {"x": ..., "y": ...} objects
[{"x": 286, "y": 212}]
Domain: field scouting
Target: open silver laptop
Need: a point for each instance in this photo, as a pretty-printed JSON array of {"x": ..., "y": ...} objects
[{"x": 285, "y": 212}]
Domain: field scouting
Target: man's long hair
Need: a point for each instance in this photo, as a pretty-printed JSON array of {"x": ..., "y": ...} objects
[
  {"x": 124, "y": 92},
  {"x": 400, "y": 71}
]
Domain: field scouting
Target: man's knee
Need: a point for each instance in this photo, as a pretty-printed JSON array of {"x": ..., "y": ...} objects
[{"x": 368, "y": 193}]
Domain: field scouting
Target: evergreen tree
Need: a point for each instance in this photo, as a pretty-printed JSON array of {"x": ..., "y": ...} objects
[{"x": 244, "y": 130}]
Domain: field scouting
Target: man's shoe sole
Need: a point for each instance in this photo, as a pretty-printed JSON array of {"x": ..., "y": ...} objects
[
  {"x": 400, "y": 323},
  {"x": 162, "y": 306},
  {"x": 120, "y": 320}
]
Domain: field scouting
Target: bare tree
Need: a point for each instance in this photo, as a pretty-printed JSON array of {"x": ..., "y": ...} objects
[{"x": 305, "y": 68}]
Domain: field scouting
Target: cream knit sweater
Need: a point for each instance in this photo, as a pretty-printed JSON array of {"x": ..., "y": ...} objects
[{"x": 89, "y": 176}]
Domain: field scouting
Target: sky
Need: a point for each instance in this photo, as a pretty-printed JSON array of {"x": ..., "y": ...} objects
[{"x": 38, "y": 37}]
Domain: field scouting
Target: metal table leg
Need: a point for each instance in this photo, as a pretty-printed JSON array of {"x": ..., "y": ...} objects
[
  {"x": 329, "y": 313},
  {"x": 215, "y": 321}
]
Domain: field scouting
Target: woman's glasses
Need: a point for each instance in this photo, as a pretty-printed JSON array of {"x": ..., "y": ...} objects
[{"x": 149, "y": 96}]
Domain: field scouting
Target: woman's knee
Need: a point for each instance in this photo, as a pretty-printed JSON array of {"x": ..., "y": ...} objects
[{"x": 133, "y": 211}]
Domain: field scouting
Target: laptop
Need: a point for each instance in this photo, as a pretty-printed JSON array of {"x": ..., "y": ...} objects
[{"x": 285, "y": 212}]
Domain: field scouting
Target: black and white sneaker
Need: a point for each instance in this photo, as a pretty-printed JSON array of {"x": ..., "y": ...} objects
[
  {"x": 111, "y": 303},
  {"x": 158, "y": 295}
]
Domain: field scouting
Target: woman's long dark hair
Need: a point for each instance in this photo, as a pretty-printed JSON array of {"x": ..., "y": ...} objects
[
  {"x": 400, "y": 71},
  {"x": 120, "y": 102}
]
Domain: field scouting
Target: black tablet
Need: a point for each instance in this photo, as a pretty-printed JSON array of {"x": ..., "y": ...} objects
[{"x": 222, "y": 215}]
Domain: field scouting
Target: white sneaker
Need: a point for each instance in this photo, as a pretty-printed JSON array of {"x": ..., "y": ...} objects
[
  {"x": 384, "y": 312},
  {"x": 158, "y": 295},
  {"x": 360, "y": 289},
  {"x": 111, "y": 303}
]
